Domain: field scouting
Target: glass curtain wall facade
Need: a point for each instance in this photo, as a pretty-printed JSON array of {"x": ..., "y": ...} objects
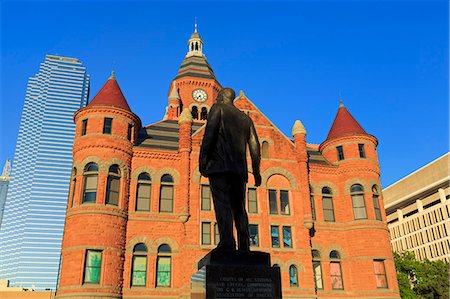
[
  {"x": 33, "y": 221},
  {"x": 4, "y": 183}
]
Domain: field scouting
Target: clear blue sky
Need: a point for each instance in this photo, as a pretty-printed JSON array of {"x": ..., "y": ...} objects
[{"x": 388, "y": 60}]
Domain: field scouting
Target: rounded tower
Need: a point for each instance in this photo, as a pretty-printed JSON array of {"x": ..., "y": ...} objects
[
  {"x": 94, "y": 234},
  {"x": 352, "y": 217}
]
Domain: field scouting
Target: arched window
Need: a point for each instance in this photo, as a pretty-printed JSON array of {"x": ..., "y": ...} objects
[
  {"x": 74, "y": 186},
  {"x": 265, "y": 150},
  {"x": 336, "y": 271},
  {"x": 139, "y": 267},
  {"x": 376, "y": 202},
  {"x": 359, "y": 205},
  {"x": 204, "y": 114},
  {"x": 143, "y": 193},
  {"x": 196, "y": 46},
  {"x": 311, "y": 201},
  {"x": 166, "y": 194},
  {"x": 194, "y": 112},
  {"x": 90, "y": 178},
  {"x": 163, "y": 266},
  {"x": 327, "y": 205},
  {"x": 293, "y": 276},
  {"x": 317, "y": 268},
  {"x": 113, "y": 185}
]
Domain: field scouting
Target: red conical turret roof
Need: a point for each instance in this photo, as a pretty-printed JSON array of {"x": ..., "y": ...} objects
[
  {"x": 344, "y": 124},
  {"x": 111, "y": 95}
]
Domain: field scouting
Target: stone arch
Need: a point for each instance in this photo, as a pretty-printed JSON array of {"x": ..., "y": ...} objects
[
  {"x": 349, "y": 183},
  {"x": 165, "y": 240},
  {"x": 319, "y": 248},
  {"x": 136, "y": 240},
  {"x": 135, "y": 173},
  {"x": 101, "y": 164},
  {"x": 78, "y": 166},
  {"x": 204, "y": 106},
  {"x": 296, "y": 263},
  {"x": 279, "y": 262},
  {"x": 336, "y": 247},
  {"x": 123, "y": 167},
  {"x": 372, "y": 182},
  {"x": 175, "y": 175},
  {"x": 278, "y": 170},
  {"x": 332, "y": 186},
  {"x": 269, "y": 140}
]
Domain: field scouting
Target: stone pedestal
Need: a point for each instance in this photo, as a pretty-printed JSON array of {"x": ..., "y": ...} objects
[{"x": 234, "y": 274}]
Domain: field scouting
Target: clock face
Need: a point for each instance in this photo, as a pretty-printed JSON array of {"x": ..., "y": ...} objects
[{"x": 199, "y": 95}]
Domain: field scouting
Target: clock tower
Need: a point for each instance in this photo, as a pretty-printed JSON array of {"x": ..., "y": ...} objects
[{"x": 195, "y": 86}]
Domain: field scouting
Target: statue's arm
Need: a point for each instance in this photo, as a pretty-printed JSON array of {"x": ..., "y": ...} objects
[
  {"x": 210, "y": 136},
  {"x": 255, "y": 154}
]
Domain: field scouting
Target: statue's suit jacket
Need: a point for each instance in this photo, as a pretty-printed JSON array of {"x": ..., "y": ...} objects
[{"x": 228, "y": 131}]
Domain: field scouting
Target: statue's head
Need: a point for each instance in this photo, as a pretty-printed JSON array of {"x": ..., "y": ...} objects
[{"x": 226, "y": 96}]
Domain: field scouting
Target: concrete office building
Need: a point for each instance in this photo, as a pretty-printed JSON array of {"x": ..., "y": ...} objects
[{"x": 418, "y": 209}]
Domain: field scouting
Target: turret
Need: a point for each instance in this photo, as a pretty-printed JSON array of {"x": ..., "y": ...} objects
[
  {"x": 347, "y": 141},
  {"x": 94, "y": 236}
]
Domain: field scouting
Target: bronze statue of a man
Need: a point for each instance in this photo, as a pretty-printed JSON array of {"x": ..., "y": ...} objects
[{"x": 223, "y": 159}]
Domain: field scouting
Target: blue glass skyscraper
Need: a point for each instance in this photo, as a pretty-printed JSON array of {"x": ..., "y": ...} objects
[
  {"x": 4, "y": 183},
  {"x": 33, "y": 220}
]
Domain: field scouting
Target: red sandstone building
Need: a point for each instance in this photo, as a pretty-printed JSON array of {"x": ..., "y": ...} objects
[{"x": 140, "y": 216}]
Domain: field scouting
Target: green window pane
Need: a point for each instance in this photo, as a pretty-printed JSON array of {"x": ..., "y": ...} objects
[
  {"x": 139, "y": 271},
  {"x": 163, "y": 272},
  {"x": 93, "y": 266}
]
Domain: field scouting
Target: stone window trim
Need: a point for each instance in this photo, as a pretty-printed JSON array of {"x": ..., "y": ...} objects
[
  {"x": 136, "y": 172},
  {"x": 280, "y": 171},
  {"x": 152, "y": 245}
]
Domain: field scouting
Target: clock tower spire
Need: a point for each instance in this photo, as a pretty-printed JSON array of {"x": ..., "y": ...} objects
[{"x": 195, "y": 83}]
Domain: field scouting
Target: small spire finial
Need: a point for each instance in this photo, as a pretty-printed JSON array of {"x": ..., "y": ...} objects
[
  {"x": 113, "y": 75},
  {"x": 195, "y": 25},
  {"x": 341, "y": 103}
]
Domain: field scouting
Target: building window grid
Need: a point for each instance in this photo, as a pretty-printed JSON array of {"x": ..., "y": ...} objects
[
  {"x": 252, "y": 200},
  {"x": 163, "y": 266},
  {"x": 206, "y": 233},
  {"x": 327, "y": 205},
  {"x": 358, "y": 202},
  {"x": 166, "y": 194},
  {"x": 84, "y": 127},
  {"x": 380, "y": 274},
  {"x": 107, "y": 125},
  {"x": 90, "y": 181},
  {"x": 139, "y": 265},
  {"x": 92, "y": 266},
  {"x": 275, "y": 235},
  {"x": 340, "y": 152},
  {"x": 143, "y": 192},
  {"x": 254, "y": 235},
  {"x": 206, "y": 198},
  {"x": 362, "y": 151},
  {"x": 113, "y": 185},
  {"x": 279, "y": 198}
]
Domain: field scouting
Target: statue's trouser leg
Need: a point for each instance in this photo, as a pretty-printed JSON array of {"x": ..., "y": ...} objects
[
  {"x": 239, "y": 213},
  {"x": 221, "y": 192}
]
